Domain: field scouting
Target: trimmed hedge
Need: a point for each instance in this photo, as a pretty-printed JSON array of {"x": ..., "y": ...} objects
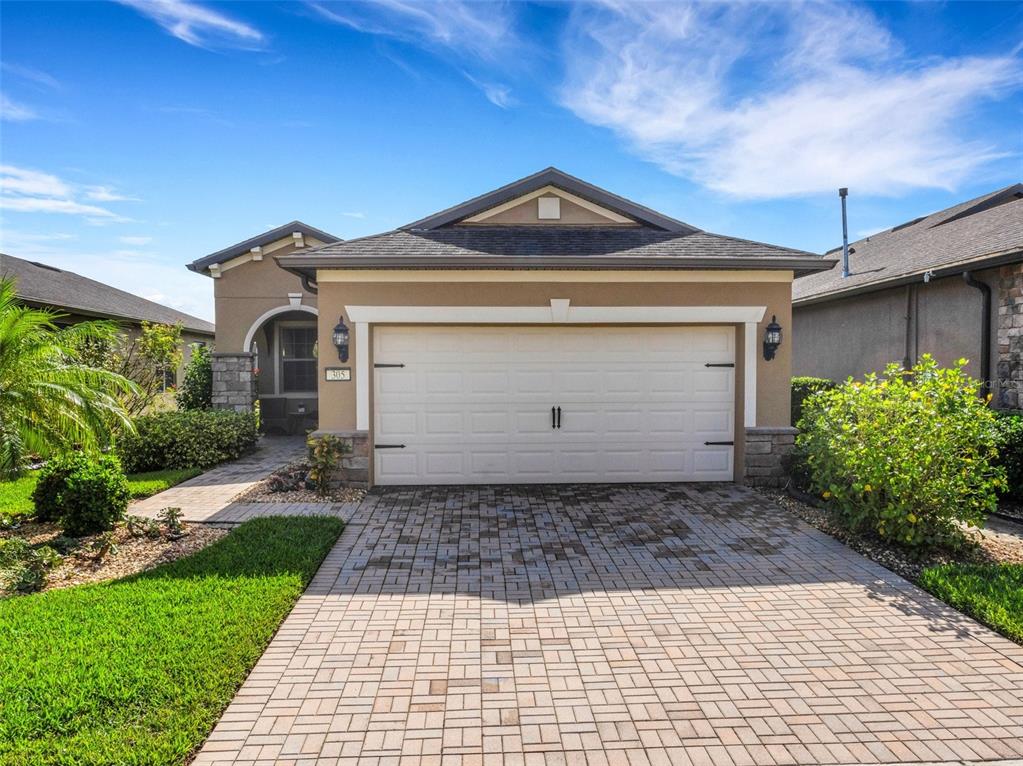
[
  {"x": 803, "y": 387},
  {"x": 187, "y": 439},
  {"x": 1010, "y": 453}
]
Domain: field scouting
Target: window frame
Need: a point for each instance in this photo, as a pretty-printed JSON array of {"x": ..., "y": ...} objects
[{"x": 279, "y": 357}]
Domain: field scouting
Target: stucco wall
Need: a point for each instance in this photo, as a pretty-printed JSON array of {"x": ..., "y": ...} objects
[
  {"x": 338, "y": 399},
  {"x": 243, "y": 293},
  {"x": 860, "y": 334}
]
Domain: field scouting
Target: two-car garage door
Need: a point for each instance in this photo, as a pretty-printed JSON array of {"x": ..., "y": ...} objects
[{"x": 526, "y": 404}]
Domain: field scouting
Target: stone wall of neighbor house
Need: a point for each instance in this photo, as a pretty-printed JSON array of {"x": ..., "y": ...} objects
[
  {"x": 354, "y": 468},
  {"x": 234, "y": 384},
  {"x": 766, "y": 450},
  {"x": 1009, "y": 366}
]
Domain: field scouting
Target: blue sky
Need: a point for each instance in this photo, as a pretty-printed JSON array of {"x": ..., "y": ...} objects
[{"x": 137, "y": 136}]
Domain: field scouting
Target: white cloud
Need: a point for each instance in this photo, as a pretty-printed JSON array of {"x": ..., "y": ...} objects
[
  {"x": 31, "y": 75},
  {"x": 483, "y": 30},
  {"x": 497, "y": 94},
  {"x": 12, "y": 111},
  {"x": 778, "y": 100},
  {"x": 135, "y": 240},
  {"x": 354, "y": 214},
  {"x": 23, "y": 190},
  {"x": 107, "y": 194},
  {"x": 198, "y": 25}
]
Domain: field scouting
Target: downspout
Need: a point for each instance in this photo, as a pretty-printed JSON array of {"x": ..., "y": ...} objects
[
  {"x": 907, "y": 360},
  {"x": 985, "y": 331},
  {"x": 309, "y": 284}
]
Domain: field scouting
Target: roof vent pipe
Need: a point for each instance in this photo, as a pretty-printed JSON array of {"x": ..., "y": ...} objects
[{"x": 843, "y": 193}]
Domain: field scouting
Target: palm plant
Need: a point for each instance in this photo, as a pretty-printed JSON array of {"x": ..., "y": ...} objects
[{"x": 50, "y": 400}]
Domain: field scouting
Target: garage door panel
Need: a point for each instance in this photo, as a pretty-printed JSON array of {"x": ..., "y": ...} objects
[{"x": 473, "y": 405}]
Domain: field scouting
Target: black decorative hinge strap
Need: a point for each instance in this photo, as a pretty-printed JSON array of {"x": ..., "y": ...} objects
[
  {"x": 719, "y": 364},
  {"x": 388, "y": 446},
  {"x": 388, "y": 365},
  {"x": 731, "y": 444}
]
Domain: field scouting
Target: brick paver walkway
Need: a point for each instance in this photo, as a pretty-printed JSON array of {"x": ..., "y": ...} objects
[
  {"x": 205, "y": 497},
  {"x": 667, "y": 624}
]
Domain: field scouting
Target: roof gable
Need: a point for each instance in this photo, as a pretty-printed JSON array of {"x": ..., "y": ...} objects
[
  {"x": 202, "y": 265},
  {"x": 557, "y": 182}
]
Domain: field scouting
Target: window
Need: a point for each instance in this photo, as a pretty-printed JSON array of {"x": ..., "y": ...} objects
[{"x": 298, "y": 358}]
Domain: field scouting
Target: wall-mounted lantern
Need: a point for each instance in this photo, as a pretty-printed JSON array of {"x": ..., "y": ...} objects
[
  {"x": 772, "y": 338},
  {"x": 340, "y": 338}
]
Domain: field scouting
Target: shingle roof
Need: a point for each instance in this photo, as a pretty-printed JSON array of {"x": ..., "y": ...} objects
[
  {"x": 47, "y": 285},
  {"x": 202, "y": 265},
  {"x": 967, "y": 234},
  {"x": 658, "y": 242}
]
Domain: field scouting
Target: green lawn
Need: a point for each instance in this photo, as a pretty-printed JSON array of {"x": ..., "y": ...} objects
[
  {"x": 991, "y": 593},
  {"x": 138, "y": 670},
  {"x": 16, "y": 496}
]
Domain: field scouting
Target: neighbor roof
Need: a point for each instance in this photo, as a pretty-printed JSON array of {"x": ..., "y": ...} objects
[
  {"x": 40, "y": 284},
  {"x": 658, "y": 242},
  {"x": 978, "y": 233},
  {"x": 203, "y": 264}
]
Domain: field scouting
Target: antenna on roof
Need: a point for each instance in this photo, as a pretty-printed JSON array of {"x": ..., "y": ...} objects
[{"x": 843, "y": 193}]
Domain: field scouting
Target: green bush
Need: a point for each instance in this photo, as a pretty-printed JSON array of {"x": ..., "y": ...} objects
[
  {"x": 83, "y": 494},
  {"x": 23, "y": 567},
  {"x": 802, "y": 388},
  {"x": 187, "y": 439},
  {"x": 904, "y": 455},
  {"x": 196, "y": 392},
  {"x": 1010, "y": 453}
]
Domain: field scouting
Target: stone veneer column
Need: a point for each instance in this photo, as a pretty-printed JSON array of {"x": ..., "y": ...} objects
[
  {"x": 766, "y": 450},
  {"x": 1009, "y": 369},
  {"x": 354, "y": 468},
  {"x": 234, "y": 384}
]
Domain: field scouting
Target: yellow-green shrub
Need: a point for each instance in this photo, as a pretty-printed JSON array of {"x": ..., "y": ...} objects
[{"x": 904, "y": 454}]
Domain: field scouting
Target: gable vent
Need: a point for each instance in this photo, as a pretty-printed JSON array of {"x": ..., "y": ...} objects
[{"x": 548, "y": 208}]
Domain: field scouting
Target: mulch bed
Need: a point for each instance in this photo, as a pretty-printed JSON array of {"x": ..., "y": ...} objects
[
  {"x": 988, "y": 547},
  {"x": 261, "y": 492},
  {"x": 132, "y": 554}
]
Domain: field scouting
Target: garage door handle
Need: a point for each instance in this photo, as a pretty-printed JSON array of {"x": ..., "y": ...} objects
[
  {"x": 559, "y": 417},
  {"x": 554, "y": 422},
  {"x": 730, "y": 444}
]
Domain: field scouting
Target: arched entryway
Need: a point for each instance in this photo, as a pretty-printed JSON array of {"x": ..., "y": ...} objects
[{"x": 283, "y": 340}]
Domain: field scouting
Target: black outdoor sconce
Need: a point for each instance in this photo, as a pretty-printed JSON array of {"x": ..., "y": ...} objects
[
  {"x": 340, "y": 338},
  {"x": 772, "y": 338}
]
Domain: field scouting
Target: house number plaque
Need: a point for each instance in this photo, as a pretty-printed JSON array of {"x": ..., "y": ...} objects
[{"x": 338, "y": 373}]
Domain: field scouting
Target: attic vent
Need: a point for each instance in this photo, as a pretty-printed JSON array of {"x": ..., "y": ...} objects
[
  {"x": 48, "y": 268},
  {"x": 549, "y": 208}
]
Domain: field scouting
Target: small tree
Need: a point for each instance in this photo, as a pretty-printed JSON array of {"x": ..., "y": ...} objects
[
  {"x": 905, "y": 454},
  {"x": 196, "y": 392},
  {"x": 141, "y": 357}
]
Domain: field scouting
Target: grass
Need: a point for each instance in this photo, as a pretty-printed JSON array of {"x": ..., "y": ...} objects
[
  {"x": 138, "y": 670},
  {"x": 146, "y": 484},
  {"x": 990, "y": 593},
  {"x": 16, "y": 496}
]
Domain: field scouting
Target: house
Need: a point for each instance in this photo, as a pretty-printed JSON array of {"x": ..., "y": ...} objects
[
  {"x": 547, "y": 331},
  {"x": 79, "y": 298},
  {"x": 949, "y": 284}
]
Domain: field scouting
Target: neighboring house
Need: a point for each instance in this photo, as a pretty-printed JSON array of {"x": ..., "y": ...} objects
[
  {"x": 949, "y": 284},
  {"x": 79, "y": 299},
  {"x": 548, "y": 331}
]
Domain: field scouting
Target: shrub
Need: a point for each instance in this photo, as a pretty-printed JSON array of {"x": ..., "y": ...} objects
[
  {"x": 196, "y": 392},
  {"x": 93, "y": 495},
  {"x": 23, "y": 568},
  {"x": 187, "y": 439},
  {"x": 53, "y": 481},
  {"x": 804, "y": 387},
  {"x": 1010, "y": 453},
  {"x": 325, "y": 453},
  {"x": 904, "y": 455},
  {"x": 290, "y": 478}
]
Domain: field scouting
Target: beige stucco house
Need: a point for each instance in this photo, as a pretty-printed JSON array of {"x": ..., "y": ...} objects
[
  {"x": 949, "y": 284},
  {"x": 547, "y": 331}
]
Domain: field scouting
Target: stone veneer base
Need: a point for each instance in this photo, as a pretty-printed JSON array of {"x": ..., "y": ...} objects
[
  {"x": 234, "y": 383},
  {"x": 766, "y": 450},
  {"x": 354, "y": 469}
]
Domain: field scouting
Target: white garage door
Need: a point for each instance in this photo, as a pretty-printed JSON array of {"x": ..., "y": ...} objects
[{"x": 475, "y": 405}]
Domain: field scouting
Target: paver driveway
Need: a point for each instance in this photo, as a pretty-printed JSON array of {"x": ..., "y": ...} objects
[{"x": 615, "y": 624}]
